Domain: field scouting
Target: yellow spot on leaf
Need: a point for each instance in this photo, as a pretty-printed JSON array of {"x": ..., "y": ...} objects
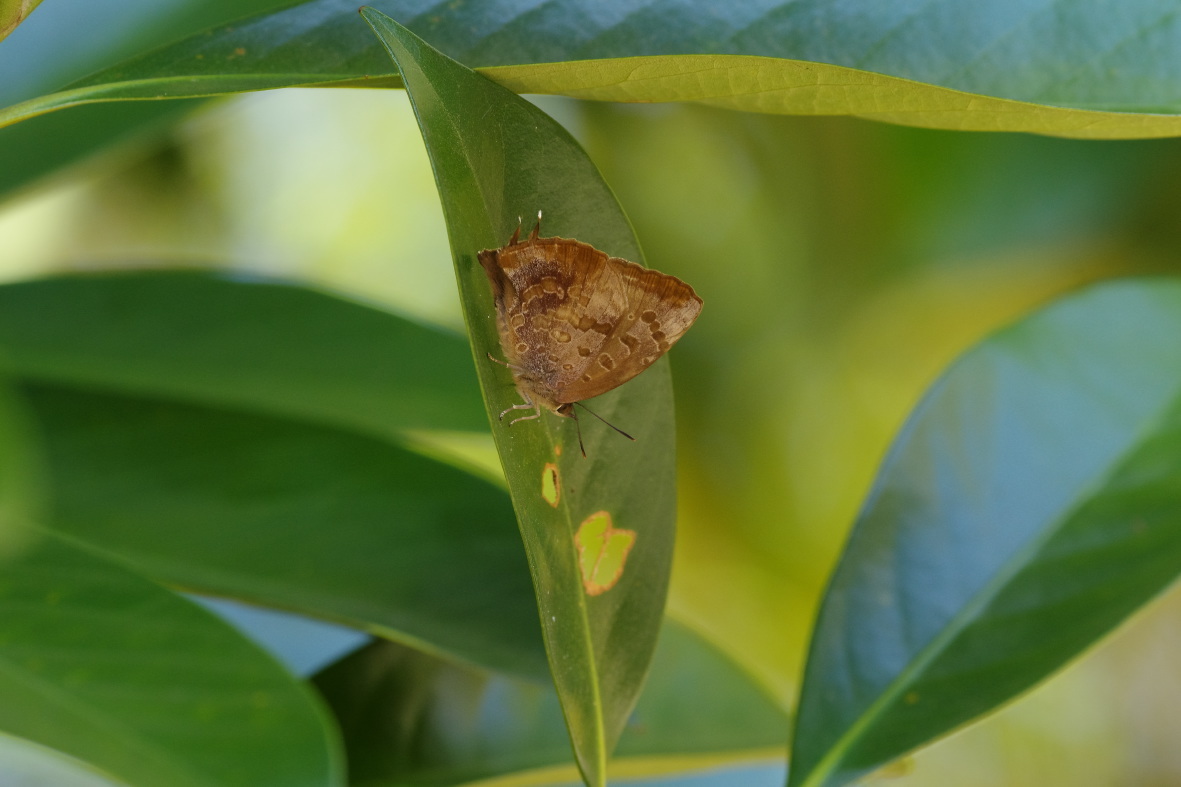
[
  {"x": 896, "y": 769},
  {"x": 551, "y": 484},
  {"x": 602, "y": 552}
]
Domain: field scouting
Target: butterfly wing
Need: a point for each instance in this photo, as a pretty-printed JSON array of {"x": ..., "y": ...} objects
[
  {"x": 576, "y": 323},
  {"x": 646, "y": 311}
]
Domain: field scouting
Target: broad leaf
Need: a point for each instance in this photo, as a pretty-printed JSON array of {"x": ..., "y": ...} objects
[
  {"x": 408, "y": 718},
  {"x": 247, "y": 452},
  {"x": 899, "y": 64},
  {"x": 1028, "y": 507},
  {"x": 111, "y": 669},
  {"x": 302, "y": 517},
  {"x": 244, "y": 343},
  {"x": 495, "y": 158},
  {"x": 116, "y": 671}
]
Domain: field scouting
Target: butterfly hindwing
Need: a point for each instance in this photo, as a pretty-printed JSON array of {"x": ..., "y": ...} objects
[{"x": 650, "y": 312}]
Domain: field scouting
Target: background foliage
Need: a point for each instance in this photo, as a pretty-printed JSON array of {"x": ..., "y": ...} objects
[{"x": 844, "y": 265}]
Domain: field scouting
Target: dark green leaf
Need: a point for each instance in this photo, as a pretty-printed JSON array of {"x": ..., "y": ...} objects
[
  {"x": 240, "y": 343},
  {"x": 297, "y": 516},
  {"x": 495, "y": 158},
  {"x": 1028, "y": 507},
  {"x": 109, "y": 668},
  {"x": 411, "y": 719},
  {"x": 22, "y": 482}
]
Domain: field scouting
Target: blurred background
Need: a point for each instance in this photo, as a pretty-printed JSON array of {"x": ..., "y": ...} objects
[{"x": 843, "y": 265}]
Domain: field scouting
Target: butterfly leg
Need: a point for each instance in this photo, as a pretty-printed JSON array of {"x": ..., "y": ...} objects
[
  {"x": 505, "y": 364},
  {"x": 535, "y": 416},
  {"x": 528, "y": 404}
]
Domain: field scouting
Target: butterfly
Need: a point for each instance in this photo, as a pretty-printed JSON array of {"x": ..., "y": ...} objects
[{"x": 575, "y": 323}]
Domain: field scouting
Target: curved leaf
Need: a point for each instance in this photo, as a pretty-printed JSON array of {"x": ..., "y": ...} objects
[
  {"x": 411, "y": 719},
  {"x": 932, "y": 66},
  {"x": 259, "y": 405},
  {"x": 113, "y": 670},
  {"x": 1028, "y": 507},
  {"x": 496, "y": 157},
  {"x": 302, "y": 517}
]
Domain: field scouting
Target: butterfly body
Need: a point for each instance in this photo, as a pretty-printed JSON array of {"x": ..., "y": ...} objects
[{"x": 575, "y": 322}]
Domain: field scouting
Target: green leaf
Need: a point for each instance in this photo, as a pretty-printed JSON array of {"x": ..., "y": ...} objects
[
  {"x": 495, "y": 158},
  {"x": 1001, "y": 68},
  {"x": 109, "y": 668},
  {"x": 408, "y": 718},
  {"x": 13, "y": 12},
  {"x": 249, "y": 409},
  {"x": 1028, "y": 507},
  {"x": 298, "y": 516},
  {"x": 248, "y": 344},
  {"x": 42, "y": 145},
  {"x": 22, "y": 481},
  {"x": 86, "y": 36}
]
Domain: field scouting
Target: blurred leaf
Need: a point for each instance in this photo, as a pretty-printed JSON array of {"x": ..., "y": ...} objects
[
  {"x": 298, "y": 516},
  {"x": 1028, "y": 508},
  {"x": 251, "y": 344},
  {"x": 898, "y": 65},
  {"x": 86, "y": 36},
  {"x": 13, "y": 12},
  {"x": 21, "y": 474},
  {"x": 411, "y": 719},
  {"x": 45, "y": 144},
  {"x": 113, "y": 670},
  {"x": 496, "y": 157}
]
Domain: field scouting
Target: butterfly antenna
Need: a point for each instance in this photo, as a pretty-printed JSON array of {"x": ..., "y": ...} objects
[
  {"x": 604, "y": 420},
  {"x": 536, "y": 228},
  {"x": 578, "y": 429}
]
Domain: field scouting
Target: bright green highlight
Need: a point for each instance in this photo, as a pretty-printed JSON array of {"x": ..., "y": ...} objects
[
  {"x": 602, "y": 552},
  {"x": 742, "y": 82}
]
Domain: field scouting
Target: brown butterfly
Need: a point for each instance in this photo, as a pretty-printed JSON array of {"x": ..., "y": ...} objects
[{"x": 575, "y": 323}]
